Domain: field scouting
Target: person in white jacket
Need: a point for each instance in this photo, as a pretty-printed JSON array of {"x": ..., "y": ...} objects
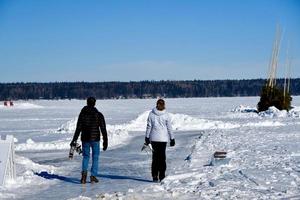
[{"x": 158, "y": 133}]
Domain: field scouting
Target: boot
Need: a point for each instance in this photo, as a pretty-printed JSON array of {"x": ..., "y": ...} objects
[
  {"x": 94, "y": 179},
  {"x": 161, "y": 176},
  {"x": 83, "y": 177},
  {"x": 155, "y": 180}
]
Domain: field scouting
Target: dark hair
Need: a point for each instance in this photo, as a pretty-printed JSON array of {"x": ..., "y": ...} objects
[
  {"x": 91, "y": 101},
  {"x": 160, "y": 104}
]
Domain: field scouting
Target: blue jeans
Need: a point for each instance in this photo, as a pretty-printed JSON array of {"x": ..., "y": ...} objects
[{"x": 86, "y": 146}]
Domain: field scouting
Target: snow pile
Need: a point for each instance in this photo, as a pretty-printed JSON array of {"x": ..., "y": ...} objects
[
  {"x": 179, "y": 122},
  {"x": 29, "y": 166},
  {"x": 119, "y": 133},
  {"x": 30, "y": 145},
  {"x": 68, "y": 127},
  {"x": 244, "y": 109},
  {"x": 115, "y": 137},
  {"x": 27, "y": 178},
  {"x": 272, "y": 112},
  {"x": 295, "y": 112},
  {"x": 138, "y": 124},
  {"x": 22, "y": 106},
  {"x": 182, "y": 122}
]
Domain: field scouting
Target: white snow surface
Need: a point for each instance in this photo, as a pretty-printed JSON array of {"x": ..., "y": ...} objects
[{"x": 263, "y": 156}]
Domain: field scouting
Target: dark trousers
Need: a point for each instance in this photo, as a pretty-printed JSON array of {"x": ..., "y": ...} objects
[{"x": 159, "y": 160}]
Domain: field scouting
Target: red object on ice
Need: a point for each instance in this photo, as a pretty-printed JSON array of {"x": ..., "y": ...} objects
[{"x": 8, "y": 103}]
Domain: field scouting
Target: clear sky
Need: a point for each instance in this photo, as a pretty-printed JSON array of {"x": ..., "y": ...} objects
[{"x": 85, "y": 40}]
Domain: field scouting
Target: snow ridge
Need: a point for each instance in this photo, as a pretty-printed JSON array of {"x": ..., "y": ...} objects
[{"x": 119, "y": 133}]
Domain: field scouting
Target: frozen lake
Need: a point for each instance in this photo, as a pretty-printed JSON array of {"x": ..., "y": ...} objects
[{"x": 263, "y": 151}]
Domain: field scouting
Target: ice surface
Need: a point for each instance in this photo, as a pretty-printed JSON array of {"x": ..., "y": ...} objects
[
  {"x": 20, "y": 105},
  {"x": 263, "y": 151}
]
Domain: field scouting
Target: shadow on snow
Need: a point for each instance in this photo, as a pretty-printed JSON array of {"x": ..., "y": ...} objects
[
  {"x": 110, "y": 176},
  {"x": 46, "y": 175}
]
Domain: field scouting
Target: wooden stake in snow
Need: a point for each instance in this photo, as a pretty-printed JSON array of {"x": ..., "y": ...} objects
[
  {"x": 287, "y": 77},
  {"x": 274, "y": 58}
]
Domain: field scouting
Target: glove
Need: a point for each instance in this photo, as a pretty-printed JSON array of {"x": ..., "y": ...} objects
[
  {"x": 73, "y": 143},
  {"x": 105, "y": 145},
  {"x": 172, "y": 142},
  {"x": 147, "y": 141}
]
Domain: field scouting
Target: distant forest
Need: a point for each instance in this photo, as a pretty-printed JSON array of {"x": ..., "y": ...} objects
[{"x": 141, "y": 89}]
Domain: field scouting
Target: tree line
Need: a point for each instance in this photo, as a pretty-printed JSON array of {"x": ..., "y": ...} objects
[{"x": 138, "y": 89}]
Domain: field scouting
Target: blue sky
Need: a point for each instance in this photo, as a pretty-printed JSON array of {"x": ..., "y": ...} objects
[{"x": 77, "y": 40}]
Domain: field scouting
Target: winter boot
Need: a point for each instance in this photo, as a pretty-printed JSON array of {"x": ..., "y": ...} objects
[
  {"x": 94, "y": 179},
  {"x": 155, "y": 180},
  {"x": 161, "y": 176},
  {"x": 83, "y": 177}
]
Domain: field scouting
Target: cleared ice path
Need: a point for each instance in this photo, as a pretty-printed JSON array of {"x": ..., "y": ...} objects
[{"x": 121, "y": 169}]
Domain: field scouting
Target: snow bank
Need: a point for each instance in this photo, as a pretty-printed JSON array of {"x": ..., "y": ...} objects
[
  {"x": 244, "y": 109},
  {"x": 30, "y": 145},
  {"x": 22, "y": 106},
  {"x": 179, "y": 122},
  {"x": 28, "y": 164},
  {"x": 115, "y": 137},
  {"x": 119, "y": 133},
  {"x": 68, "y": 127},
  {"x": 26, "y": 178},
  {"x": 182, "y": 122},
  {"x": 272, "y": 112}
]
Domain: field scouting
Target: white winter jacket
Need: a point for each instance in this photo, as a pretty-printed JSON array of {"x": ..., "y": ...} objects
[{"x": 159, "y": 127}]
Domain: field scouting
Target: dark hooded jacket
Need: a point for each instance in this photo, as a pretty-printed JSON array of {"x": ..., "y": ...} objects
[{"x": 90, "y": 122}]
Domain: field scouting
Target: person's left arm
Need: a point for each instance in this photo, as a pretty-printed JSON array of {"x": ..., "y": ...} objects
[
  {"x": 170, "y": 131},
  {"x": 103, "y": 131}
]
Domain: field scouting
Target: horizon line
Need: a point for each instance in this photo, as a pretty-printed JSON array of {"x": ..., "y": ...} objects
[{"x": 130, "y": 81}]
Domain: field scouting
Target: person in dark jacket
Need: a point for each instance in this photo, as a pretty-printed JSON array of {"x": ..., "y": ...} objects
[
  {"x": 88, "y": 124},
  {"x": 158, "y": 133}
]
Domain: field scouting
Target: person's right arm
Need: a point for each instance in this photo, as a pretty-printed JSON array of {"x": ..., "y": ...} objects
[
  {"x": 78, "y": 130},
  {"x": 148, "y": 129}
]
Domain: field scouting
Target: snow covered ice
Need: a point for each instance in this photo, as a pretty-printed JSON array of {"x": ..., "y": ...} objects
[{"x": 263, "y": 154}]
